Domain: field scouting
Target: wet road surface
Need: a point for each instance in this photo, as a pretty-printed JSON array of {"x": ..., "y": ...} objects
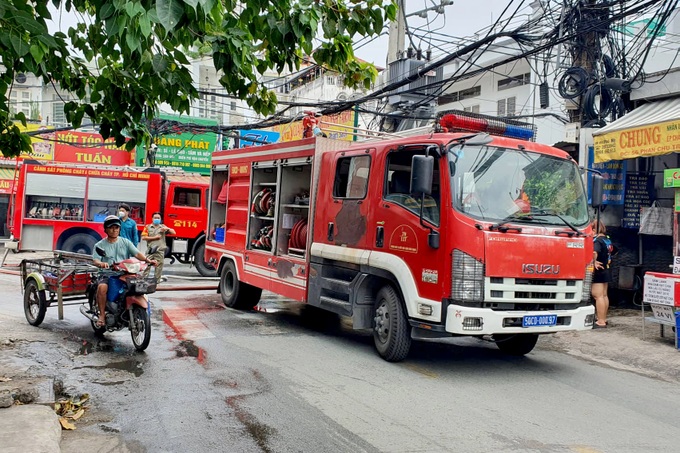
[{"x": 284, "y": 379}]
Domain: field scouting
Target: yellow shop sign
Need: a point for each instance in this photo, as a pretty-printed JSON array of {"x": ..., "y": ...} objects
[{"x": 644, "y": 141}]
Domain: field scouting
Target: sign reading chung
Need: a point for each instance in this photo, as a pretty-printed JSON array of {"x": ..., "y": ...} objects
[
  {"x": 644, "y": 141},
  {"x": 190, "y": 149}
]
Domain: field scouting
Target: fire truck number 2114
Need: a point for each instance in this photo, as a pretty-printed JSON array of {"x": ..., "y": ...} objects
[{"x": 184, "y": 223}]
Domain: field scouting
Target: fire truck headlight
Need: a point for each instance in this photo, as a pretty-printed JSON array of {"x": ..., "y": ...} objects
[{"x": 467, "y": 282}]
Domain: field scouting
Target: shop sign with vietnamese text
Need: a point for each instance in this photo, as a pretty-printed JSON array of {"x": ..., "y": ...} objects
[
  {"x": 671, "y": 178},
  {"x": 189, "y": 148},
  {"x": 638, "y": 195},
  {"x": 344, "y": 120},
  {"x": 41, "y": 149},
  {"x": 614, "y": 175},
  {"x": 88, "y": 148},
  {"x": 644, "y": 141},
  {"x": 659, "y": 291}
]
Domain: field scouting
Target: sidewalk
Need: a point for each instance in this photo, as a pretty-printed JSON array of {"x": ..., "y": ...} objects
[
  {"x": 622, "y": 347},
  {"x": 28, "y": 423}
]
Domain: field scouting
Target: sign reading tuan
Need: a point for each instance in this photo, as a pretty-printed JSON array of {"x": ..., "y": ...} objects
[{"x": 644, "y": 141}]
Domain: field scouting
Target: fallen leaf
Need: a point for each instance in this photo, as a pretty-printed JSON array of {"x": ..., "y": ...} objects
[
  {"x": 78, "y": 414},
  {"x": 66, "y": 424}
]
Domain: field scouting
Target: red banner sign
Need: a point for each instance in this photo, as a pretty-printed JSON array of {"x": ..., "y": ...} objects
[{"x": 88, "y": 148}]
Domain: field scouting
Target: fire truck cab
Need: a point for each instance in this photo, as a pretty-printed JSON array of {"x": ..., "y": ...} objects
[{"x": 425, "y": 236}]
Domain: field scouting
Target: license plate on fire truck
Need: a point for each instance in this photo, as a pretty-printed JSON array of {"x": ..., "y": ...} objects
[{"x": 539, "y": 320}]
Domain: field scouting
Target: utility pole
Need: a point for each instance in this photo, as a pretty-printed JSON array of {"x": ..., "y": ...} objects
[
  {"x": 585, "y": 52},
  {"x": 414, "y": 103},
  {"x": 395, "y": 46}
]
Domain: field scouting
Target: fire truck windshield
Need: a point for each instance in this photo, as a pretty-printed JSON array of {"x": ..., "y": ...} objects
[{"x": 495, "y": 184}]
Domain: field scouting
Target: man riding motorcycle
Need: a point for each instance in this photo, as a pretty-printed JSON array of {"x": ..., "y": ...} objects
[{"x": 117, "y": 249}]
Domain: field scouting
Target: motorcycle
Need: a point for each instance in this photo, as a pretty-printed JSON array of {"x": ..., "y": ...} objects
[{"x": 126, "y": 302}]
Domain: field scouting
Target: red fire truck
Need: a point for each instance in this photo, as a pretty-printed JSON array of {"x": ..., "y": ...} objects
[
  {"x": 62, "y": 206},
  {"x": 427, "y": 236}
]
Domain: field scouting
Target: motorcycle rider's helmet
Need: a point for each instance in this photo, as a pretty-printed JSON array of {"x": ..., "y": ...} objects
[{"x": 111, "y": 220}]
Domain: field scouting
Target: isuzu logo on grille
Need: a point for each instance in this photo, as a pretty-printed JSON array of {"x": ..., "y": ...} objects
[{"x": 550, "y": 269}]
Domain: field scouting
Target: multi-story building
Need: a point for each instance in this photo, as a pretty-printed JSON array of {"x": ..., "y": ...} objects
[{"x": 510, "y": 90}]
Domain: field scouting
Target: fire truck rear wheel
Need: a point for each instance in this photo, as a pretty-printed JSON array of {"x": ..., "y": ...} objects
[
  {"x": 35, "y": 303},
  {"x": 235, "y": 293},
  {"x": 80, "y": 243},
  {"x": 202, "y": 267},
  {"x": 391, "y": 333},
  {"x": 518, "y": 344}
]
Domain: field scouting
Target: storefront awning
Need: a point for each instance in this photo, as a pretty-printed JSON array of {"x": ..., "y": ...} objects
[{"x": 650, "y": 130}]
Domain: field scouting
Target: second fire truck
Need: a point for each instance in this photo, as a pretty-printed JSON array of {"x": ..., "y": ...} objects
[{"x": 62, "y": 206}]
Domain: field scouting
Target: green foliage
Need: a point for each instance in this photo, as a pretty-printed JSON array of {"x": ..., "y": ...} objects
[{"x": 124, "y": 62}]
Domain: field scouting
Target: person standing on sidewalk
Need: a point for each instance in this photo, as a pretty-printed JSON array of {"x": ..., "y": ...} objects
[
  {"x": 602, "y": 274},
  {"x": 128, "y": 229},
  {"x": 154, "y": 234}
]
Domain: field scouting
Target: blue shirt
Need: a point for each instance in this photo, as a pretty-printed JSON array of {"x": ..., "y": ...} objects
[
  {"x": 128, "y": 230},
  {"x": 116, "y": 252}
]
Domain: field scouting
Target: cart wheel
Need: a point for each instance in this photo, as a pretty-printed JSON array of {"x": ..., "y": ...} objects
[
  {"x": 91, "y": 300},
  {"x": 35, "y": 303}
]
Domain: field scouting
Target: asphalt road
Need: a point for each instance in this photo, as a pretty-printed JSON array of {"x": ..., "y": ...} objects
[{"x": 216, "y": 379}]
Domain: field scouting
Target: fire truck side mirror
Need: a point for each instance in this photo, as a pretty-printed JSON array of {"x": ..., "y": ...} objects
[
  {"x": 598, "y": 191},
  {"x": 422, "y": 168}
]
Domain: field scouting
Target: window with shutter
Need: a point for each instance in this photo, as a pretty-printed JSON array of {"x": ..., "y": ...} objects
[{"x": 510, "y": 106}]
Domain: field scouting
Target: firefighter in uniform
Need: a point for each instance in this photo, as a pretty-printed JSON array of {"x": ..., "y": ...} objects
[{"x": 154, "y": 234}]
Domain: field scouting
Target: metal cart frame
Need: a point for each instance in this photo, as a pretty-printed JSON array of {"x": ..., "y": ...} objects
[{"x": 66, "y": 277}]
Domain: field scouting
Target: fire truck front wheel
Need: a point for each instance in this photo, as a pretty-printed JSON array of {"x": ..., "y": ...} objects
[
  {"x": 80, "y": 243},
  {"x": 517, "y": 344},
  {"x": 235, "y": 293},
  {"x": 203, "y": 268},
  {"x": 391, "y": 332}
]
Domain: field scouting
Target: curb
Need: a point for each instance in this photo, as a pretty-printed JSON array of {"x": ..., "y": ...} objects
[
  {"x": 187, "y": 288},
  {"x": 29, "y": 428}
]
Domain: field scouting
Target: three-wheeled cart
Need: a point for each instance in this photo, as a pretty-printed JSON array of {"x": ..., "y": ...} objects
[{"x": 64, "y": 278}]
